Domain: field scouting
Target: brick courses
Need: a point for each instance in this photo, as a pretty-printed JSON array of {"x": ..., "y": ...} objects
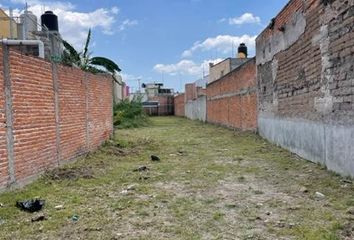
[
  {"x": 302, "y": 82},
  {"x": 232, "y": 100},
  {"x": 179, "y": 105},
  {"x": 82, "y": 96}
]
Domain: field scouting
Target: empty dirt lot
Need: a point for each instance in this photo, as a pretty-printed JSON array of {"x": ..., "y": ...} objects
[{"x": 211, "y": 183}]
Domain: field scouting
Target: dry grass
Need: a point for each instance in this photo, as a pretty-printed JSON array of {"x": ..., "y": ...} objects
[{"x": 211, "y": 183}]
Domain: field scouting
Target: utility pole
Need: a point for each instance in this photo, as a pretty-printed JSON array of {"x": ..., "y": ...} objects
[
  {"x": 11, "y": 25},
  {"x": 139, "y": 85}
]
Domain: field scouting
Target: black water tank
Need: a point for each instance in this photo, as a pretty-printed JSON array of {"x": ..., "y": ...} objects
[
  {"x": 50, "y": 20},
  {"x": 242, "y": 49}
]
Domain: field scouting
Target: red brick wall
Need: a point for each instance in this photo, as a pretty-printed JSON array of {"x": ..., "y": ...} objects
[
  {"x": 72, "y": 112},
  {"x": 190, "y": 92},
  {"x": 179, "y": 105},
  {"x": 313, "y": 78},
  {"x": 100, "y": 100},
  {"x": 81, "y": 96},
  {"x": 33, "y": 115},
  {"x": 165, "y": 105},
  {"x": 232, "y": 100},
  {"x": 3, "y": 152}
]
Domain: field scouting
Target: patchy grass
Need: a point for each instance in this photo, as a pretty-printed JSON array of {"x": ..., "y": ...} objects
[{"x": 211, "y": 183}]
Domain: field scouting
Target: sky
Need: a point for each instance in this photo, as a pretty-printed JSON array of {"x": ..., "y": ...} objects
[{"x": 166, "y": 41}]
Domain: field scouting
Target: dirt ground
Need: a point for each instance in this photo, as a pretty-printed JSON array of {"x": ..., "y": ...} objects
[{"x": 211, "y": 183}]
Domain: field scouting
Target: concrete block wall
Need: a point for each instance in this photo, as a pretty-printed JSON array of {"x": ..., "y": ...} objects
[
  {"x": 196, "y": 109},
  {"x": 49, "y": 114},
  {"x": 305, "y": 77},
  {"x": 179, "y": 105},
  {"x": 232, "y": 100}
]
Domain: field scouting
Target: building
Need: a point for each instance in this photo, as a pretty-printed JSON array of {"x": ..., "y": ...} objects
[
  {"x": 158, "y": 100},
  {"x": 120, "y": 89},
  {"x": 8, "y": 26},
  {"x": 222, "y": 68}
]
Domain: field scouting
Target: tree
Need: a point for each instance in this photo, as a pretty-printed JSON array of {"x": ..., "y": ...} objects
[{"x": 83, "y": 60}]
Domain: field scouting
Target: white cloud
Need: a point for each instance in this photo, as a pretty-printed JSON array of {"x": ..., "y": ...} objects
[
  {"x": 129, "y": 77},
  {"x": 127, "y": 23},
  {"x": 74, "y": 24},
  {"x": 244, "y": 19},
  {"x": 186, "y": 67},
  {"x": 221, "y": 43}
]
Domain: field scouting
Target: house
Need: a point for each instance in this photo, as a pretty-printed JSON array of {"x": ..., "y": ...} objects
[
  {"x": 120, "y": 89},
  {"x": 217, "y": 71},
  {"x": 8, "y": 27},
  {"x": 158, "y": 100}
]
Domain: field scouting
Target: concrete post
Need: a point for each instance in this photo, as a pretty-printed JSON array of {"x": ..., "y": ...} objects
[
  {"x": 87, "y": 112},
  {"x": 56, "y": 110},
  {"x": 9, "y": 115},
  {"x": 56, "y": 105}
]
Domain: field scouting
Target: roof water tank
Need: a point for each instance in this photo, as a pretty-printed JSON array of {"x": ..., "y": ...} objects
[
  {"x": 29, "y": 25},
  {"x": 50, "y": 20},
  {"x": 242, "y": 51}
]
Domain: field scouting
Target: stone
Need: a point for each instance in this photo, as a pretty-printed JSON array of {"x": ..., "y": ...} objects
[
  {"x": 59, "y": 207},
  {"x": 304, "y": 190},
  {"x": 39, "y": 217},
  {"x": 319, "y": 195},
  {"x": 350, "y": 211}
]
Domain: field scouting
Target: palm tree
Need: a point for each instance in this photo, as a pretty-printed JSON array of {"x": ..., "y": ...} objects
[{"x": 83, "y": 60}]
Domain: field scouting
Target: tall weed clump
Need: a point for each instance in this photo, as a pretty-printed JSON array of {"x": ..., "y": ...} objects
[{"x": 129, "y": 114}]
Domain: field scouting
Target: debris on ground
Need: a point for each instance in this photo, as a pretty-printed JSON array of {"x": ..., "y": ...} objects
[
  {"x": 144, "y": 178},
  {"x": 350, "y": 211},
  {"x": 129, "y": 189},
  {"x": 319, "y": 195},
  {"x": 304, "y": 190},
  {"x": 38, "y": 218},
  {"x": 347, "y": 181},
  {"x": 116, "y": 150},
  {"x": 72, "y": 173},
  {"x": 2, "y": 205},
  {"x": 2, "y": 221},
  {"x": 141, "y": 169},
  {"x": 31, "y": 205},
  {"x": 75, "y": 218},
  {"x": 181, "y": 153},
  {"x": 59, "y": 207},
  {"x": 155, "y": 158}
]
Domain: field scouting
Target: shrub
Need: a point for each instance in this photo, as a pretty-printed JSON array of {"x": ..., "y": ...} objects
[{"x": 129, "y": 114}]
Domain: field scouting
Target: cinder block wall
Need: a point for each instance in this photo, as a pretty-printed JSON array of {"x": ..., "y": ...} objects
[
  {"x": 305, "y": 79},
  {"x": 58, "y": 113},
  {"x": 179, "y": 105},
  {"x": 232, "y": 100}
]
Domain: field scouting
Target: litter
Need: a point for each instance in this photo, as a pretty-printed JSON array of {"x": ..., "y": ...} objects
[
  {"x": 155, "y": 158},
  {"x": 31, "y": 205},
  {"x": 39, "y": 218},
  {"x": 141, "y": 169},
  {"x": 75, "y": 218}
]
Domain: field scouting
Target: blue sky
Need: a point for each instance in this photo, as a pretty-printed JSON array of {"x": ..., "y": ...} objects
[{"x": 165, "y": 41}]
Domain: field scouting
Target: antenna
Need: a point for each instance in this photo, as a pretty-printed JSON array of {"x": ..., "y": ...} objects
[
  {"x": 203, "y": 70},
  {"x": 232, "y": 48}
]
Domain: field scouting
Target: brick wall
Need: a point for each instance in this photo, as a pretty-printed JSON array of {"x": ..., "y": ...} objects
[
  {"x": 81, "y": 102},
  {"x": 190, "y": 92},
  {"x": 232, "y": 100},
  {"x": 165, "y": 106},
  {"x": 306, "y": 81},
  {"x": 3, "y": 152},
  {"x": 179, "y": 105}
]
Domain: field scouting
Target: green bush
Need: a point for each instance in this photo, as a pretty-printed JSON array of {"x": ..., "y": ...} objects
[{"x": 129, "y": 114}]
